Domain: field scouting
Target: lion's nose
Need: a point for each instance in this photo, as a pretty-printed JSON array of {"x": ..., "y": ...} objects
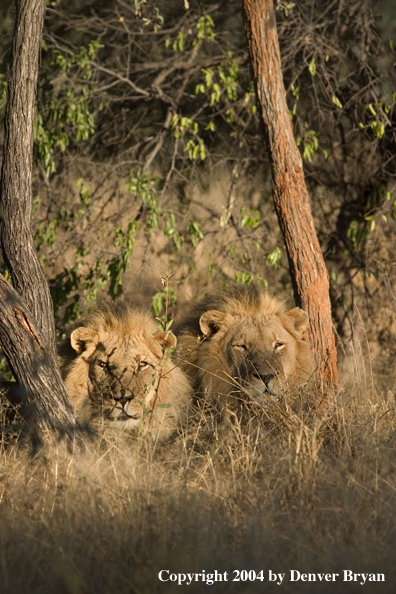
[
  {"x": 266, "y": 378},
  {"x": 124, "y": 397},
  {"x": 267, "y": 381}
]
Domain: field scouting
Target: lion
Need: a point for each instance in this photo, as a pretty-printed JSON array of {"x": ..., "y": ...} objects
[
  {"x": 116, "y": 366},
  {"x": 244, "y": 342}
]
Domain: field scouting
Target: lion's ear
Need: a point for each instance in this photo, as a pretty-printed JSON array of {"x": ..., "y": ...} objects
[
  {"x": 83, "y": 339},
  {"x": 167, "y": 340},
  {"x": 297, "y": 319},
  {"x": 213, "y": 320}
]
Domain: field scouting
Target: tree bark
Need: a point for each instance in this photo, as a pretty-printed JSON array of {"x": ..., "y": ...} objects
[
  {"x": 27, "y": 327},
  {"x": 34, "y": 367},
  {"x": 292, "y": 203},
  {"x": 17, "y": 242}
]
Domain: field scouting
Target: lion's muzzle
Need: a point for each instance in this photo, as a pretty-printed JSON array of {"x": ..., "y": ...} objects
[{"x": 269, "y": 385}]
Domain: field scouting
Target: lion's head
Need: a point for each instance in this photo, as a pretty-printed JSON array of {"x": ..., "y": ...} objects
[
  {"x": 116, "y": 366},
  {"x": 247, "y": 343}
]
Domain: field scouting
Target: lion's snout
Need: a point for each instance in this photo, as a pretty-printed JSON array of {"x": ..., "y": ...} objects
[
  {"x": 124, "y": 397},
  {"x": 268, "y": 383}
]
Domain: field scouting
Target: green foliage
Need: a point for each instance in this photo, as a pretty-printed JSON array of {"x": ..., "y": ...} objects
[
  {"x": 161, "y": 301},
  {"x": 170, "y": 100},
  {"x": 178, "y": 44},
  {"x": 285, "y": 6},
  {"x": 195, "y": 149},
  {"x": 342, "y": 107},
  {"x": 144, "y": 187},
  {"x": 84, "y": 193},
  {"x": 87, "y": 276},
  {"x": 91, "y": 274},
  {"x": 182, "y": 41},
  {"x": 63, "y": 114},
  {"x": 195, "y": 146},
  {"x": 205, "y": 29},
  {"x": 375, "y": 117},
  {"x": 228, "y": 75},
  {"x": 273, "y": 258},
  {"x": 181, "y": 124},
  {"x": 171, "y": 230},
  {"x": 212, "y": 268},
  {"x": 250, "y": 217},
  {"x": 125, "y": 241},
  {"x": 157, "y": 20},
  {"x": 195, "y": 232},
  {"x": 312, "y": 67},
  {"x": 245, "y": 278},
  {"x": 377, "y": 203},
  {"x": 46, "y": 233},
  {"x": 310, "y": 143},
  {"x": 223, "y": 81}
]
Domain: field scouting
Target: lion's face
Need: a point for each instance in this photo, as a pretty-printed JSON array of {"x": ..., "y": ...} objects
[
  {"x": 259, "y": 354},
  {"x": 123, "y": 374}
]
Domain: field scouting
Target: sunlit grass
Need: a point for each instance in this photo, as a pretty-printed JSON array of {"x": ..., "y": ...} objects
[{"x": 279, "y": 487}]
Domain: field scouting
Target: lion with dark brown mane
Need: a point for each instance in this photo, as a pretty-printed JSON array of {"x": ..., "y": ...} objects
[
  {"x": 116, "y": 366},
  {"x": 243, "y": 341}
]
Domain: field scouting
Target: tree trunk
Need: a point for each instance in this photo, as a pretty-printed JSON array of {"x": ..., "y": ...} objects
[
  {"x": 34, "y": 367},
  {"x": 17, "y": 242},
  {"x": 292, "y": 203},
  {"x": 27, "y": 327}
]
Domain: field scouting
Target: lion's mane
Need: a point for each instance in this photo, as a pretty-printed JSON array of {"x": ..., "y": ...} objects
[{"x": 116, "y": 367}]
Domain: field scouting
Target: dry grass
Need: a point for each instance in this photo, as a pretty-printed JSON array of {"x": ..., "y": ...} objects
[{"x": 312, "y": 491}]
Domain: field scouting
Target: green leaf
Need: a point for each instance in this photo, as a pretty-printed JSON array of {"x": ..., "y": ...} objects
[
  {"x": 336, "y": 102},
  {"x": 371, "y": 109},
  {"x": 312, "y": 67}
]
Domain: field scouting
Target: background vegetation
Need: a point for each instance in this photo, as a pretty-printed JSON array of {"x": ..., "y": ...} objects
[{"x": 148, "y": 158}]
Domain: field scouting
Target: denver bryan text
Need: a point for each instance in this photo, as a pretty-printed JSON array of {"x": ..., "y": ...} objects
[{"x": 347, "y": 576}]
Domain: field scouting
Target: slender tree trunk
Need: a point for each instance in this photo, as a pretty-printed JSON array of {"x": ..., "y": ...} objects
[
  {"x": 27, "y": 328},
  {"x": 292, "y": 203}
]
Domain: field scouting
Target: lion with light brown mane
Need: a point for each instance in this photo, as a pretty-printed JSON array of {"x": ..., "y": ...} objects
[
  {"x": 243, "y": 342},
  {"x": 116, "y": 367}
]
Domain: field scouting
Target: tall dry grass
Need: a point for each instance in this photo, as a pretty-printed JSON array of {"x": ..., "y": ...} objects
[{"x": 312, "y": 490}]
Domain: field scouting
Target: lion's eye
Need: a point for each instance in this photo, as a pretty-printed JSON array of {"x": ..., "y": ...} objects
[
  {"x": 241, "y": 347},
  {"x": 102, "y": 364},
  {"x": 143, "y": 365},
  {"x": 279, "y": 346}
]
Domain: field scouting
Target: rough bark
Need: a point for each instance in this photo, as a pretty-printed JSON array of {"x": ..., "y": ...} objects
[
  {"x": 27, "y": 328},
  {"x": 16, "y": 234},
  {"x": 35, "y": 369},
  {"x": 292, "y": 203}
]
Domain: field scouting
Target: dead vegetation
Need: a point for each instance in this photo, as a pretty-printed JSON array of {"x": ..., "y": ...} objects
[{"x": 311, "y": 490}]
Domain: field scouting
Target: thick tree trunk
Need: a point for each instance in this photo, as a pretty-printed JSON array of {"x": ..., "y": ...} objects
[
  {"x": 307, "y": 268},
  {"x": 16, "y": 235},
  {"x": 36, "y": 370},
  {"x": 27, "y": 328}
]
